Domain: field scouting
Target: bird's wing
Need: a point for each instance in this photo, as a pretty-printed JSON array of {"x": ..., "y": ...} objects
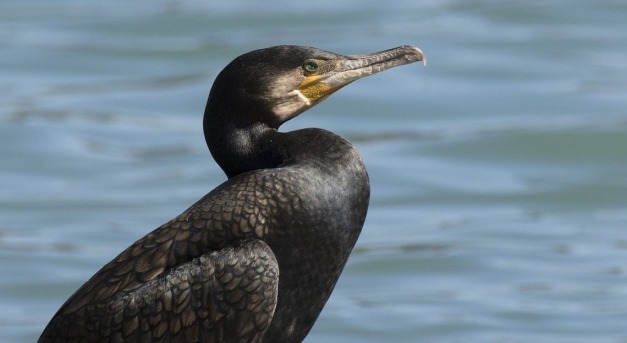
[{"x": 228, "y": 295}]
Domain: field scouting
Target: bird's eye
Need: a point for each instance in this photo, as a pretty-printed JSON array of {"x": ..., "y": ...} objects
[{"x": 310, "y": 66}]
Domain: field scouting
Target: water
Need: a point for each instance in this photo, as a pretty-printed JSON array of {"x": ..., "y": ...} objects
[{"x": 499, "y": 171}]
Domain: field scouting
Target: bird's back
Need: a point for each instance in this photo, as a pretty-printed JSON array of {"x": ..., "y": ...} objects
[{"x": 212, "y": 270}]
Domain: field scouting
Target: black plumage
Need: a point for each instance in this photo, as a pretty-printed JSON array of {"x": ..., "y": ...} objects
[{"x": 256, "y": 259}]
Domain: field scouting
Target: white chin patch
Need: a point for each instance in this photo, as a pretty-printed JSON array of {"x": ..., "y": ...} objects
[{"x": 291, "y": 105}]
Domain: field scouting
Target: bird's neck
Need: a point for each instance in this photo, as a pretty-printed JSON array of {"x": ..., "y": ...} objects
[{"x": 239, "y": 147}]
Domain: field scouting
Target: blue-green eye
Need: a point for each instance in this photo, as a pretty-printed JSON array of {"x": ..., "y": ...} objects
[{"x": 310, "y": 66}]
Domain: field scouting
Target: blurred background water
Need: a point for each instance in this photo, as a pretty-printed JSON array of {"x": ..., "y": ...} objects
[{"x": 499, "y": 171}]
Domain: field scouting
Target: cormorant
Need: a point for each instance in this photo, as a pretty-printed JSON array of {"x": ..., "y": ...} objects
[{"x": 256, "y": 259}]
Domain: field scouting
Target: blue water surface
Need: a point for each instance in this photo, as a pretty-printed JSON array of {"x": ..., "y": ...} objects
[{"x": 499, "y": 171}]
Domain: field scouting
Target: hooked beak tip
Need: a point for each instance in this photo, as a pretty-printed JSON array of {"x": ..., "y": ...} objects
[{"x": 416, "y": 53}]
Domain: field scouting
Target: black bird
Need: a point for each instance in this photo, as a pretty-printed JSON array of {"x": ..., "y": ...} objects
[{"x": 256, "y": 259}]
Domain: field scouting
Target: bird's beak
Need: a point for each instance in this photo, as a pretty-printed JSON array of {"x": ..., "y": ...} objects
[{"x": 347, "y": 69}]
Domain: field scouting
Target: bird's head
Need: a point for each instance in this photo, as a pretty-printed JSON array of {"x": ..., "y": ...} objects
[
  {"x": 276, "y": 84},
  {"x": 262, "y": 89}
]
